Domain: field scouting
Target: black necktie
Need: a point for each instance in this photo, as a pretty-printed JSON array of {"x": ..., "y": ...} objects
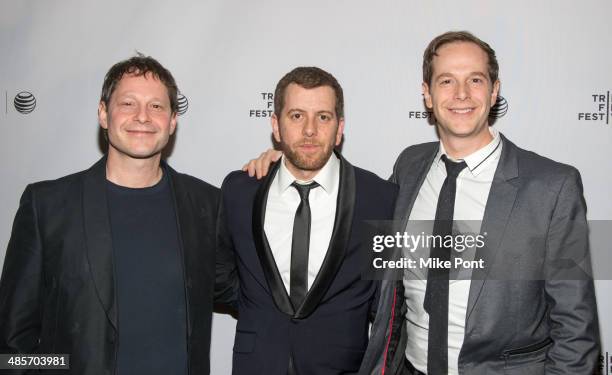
[
  {"x": 298, "y": 285},
  {"x": 436, "y": 294}
]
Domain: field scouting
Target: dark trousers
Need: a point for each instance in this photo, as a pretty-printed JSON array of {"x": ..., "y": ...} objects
[{"x": 409, "y": 368}]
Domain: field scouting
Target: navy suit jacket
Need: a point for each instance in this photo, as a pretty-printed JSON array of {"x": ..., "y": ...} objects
[{"x": 328, "y": 333}]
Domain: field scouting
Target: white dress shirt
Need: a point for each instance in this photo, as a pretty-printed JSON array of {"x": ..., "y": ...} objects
[
  {"x": 473, "y": 185},
  {"x": 283, "y": 201}
]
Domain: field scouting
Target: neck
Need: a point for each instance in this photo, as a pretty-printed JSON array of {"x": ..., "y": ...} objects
[
  {"x": 129, "y": 172},
  {"x": 459, "y": 148}
]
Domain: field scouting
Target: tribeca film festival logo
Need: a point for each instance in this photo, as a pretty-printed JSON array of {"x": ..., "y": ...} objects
[
  {"x": 601, "y": 109},
  {"x": 24, "y": 102},
  {"x": 499, "y": 109},
  {"x": 267, "y": 107}
]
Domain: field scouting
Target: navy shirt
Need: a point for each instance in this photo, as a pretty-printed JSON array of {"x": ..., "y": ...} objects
[{"x": 149, "y": 280}]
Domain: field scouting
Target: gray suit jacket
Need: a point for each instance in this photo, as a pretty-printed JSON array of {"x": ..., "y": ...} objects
[{"x": 529, "y": 311}]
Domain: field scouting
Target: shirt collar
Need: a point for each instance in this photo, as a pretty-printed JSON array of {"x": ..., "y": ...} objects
[
  {"x": 328, "y": 177},
  {"x": 476, "y": 159}
]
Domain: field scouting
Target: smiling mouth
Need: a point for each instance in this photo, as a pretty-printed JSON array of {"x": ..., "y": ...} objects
[
  {"x": 461, "y": 111},
  {"x": 140, "y": 132}
]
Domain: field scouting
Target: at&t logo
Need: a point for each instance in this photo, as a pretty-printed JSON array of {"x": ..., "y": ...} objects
[
  {"x": 24, "y": 102},
  {"x": 183, "y": 104}
]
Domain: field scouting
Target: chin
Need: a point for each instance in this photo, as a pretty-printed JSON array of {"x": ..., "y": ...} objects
[
  {"x": 465, "y": 129},
  {"x": 138, "y": 153},
  {"x": 309, "y": 163}
]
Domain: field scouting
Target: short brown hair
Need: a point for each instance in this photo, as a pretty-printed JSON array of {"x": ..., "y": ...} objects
[
  {"x": 309, "y": 78},
  {"x": 457, "y": 36},
  {"x": 139, "y": 65}
]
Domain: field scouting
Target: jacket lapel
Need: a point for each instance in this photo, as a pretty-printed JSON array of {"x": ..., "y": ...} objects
[
  {"x": 500, "y": 202},
  {"x": 410, "y": 180},
  {"x": 266, "y": 258},
  {"x": 188, "y": 237},
  {"x": 98, "y": 237},
  {"x": 338, "y": 243}
]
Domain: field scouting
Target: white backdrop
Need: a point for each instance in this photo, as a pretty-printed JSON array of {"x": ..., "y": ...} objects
[{"x": 554, "y": 56}]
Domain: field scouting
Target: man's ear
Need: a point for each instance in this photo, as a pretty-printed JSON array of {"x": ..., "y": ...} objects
[
  {"x": 173, "y": 121},
  {"x": 102, "y": 115},
  {"x": 275, "y": 128},
  {"x": 340, "y": 131},
  {"x": 495, "y": 92},
  {"x": 427, "y": 95}
]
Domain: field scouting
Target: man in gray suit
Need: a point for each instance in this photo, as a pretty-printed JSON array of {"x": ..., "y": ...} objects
[
  {"x": 529, "y": 310},
  {"x": 519, "y": 314}
]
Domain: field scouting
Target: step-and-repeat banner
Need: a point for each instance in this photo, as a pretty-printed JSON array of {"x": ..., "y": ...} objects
[{"x": 555, "y": 68}]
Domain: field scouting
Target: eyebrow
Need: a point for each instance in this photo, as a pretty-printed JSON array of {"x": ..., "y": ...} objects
[
  {"x": 301, "y": 110},
  {"x": 480, "y": 74},
  {"x": 135, "y": 94}
]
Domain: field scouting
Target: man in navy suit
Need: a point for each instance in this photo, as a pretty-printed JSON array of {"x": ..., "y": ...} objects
[{"x": 303, "y": 306}]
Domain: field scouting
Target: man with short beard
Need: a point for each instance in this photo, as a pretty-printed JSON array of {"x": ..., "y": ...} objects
[{"x": 303, "y": 308}]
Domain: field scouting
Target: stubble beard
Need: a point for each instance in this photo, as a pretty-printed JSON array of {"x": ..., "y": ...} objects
[{"x": 307, "y": 163}]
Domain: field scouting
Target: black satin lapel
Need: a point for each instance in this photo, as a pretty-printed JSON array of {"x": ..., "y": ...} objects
[
  {"x": 188, "y": 238},
  {"x": 338, "y": 242},
  {"x": 500, "y": 202},
  {"x": 268, "y": 264},
  {"x": 98, "y": 237}
]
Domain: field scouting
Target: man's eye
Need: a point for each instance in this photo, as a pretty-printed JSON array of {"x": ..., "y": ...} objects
[
  {"x": 157, "y": 106},
  {"x": 325, "y": 117},
  {"x": 445, "y": 82},
  {"x": 296, "y": 116},
  {"x": 476, "y": 80},
  {"x": 126, "y": 104}
]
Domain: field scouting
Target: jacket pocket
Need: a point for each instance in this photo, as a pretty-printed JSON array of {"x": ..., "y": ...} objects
[
  {"x": 527, "y": 358},
  {"x": 244, "y": 342},
  {"x": 529, "y": 349}
]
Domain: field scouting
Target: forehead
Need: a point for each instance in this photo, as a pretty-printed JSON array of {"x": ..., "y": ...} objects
[
  {"x": 145, "y": 84},
  {"x": 457, "y": 57},
  {"x": 317, "y": 98}
]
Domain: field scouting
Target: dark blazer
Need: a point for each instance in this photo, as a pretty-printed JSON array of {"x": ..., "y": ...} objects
[
  {"x": 527, "y": 314},
  {"x": 328, "y": 333},
  {"x": 57, "y": 292}
]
